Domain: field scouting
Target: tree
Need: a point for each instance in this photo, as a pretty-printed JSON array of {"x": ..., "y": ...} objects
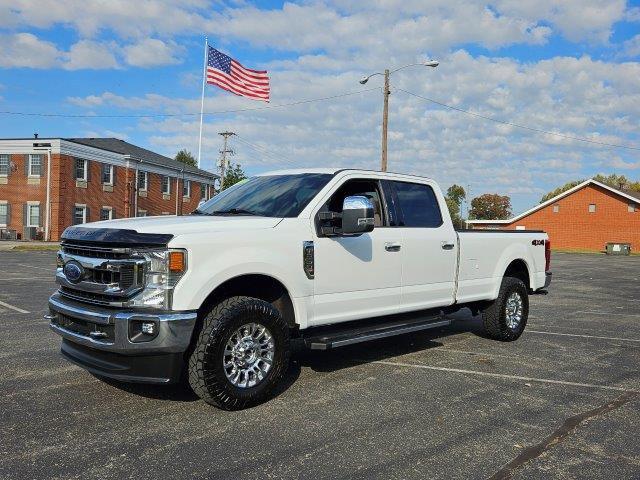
[
  {"x": 490, "y": 206},
  {"x": 233, "y": 175},
  {"x": 454, "y": 198},
  {"x": 186, "y": 157},
  {"x": 616, "y": 181}
]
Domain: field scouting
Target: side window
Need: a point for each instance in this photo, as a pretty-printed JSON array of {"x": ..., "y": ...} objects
[
  {"x": 418, "y": 204},
  {"x": 367, "y": 188}
]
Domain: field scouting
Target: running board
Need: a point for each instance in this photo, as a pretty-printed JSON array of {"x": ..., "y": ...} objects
[{"x": 326, "y": 338}]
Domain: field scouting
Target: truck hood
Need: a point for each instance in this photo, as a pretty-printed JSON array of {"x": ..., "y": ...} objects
[{"x": 177, "y": 225}]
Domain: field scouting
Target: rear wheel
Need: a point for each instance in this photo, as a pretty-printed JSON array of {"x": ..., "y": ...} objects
[
  {"x": 242, "y": 353},
  {"x": 506, "y": 317}
]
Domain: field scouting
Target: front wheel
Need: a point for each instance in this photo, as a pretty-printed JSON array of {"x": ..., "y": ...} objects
[
  {"x": 506, "y": 317},
  {"x": 241, "y": 355}
]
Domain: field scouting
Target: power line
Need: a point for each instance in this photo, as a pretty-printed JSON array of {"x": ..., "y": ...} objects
[
  {"x": 268, "y": 154},
  {"x": 188, "y": 114},
  {"x": 532, "y": 129}
]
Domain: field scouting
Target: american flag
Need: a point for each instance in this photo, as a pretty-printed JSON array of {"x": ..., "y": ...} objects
[{"x": 225, "y": 72}]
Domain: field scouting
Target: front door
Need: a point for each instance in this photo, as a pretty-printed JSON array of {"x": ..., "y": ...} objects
[{"x": 357, "y": 277}]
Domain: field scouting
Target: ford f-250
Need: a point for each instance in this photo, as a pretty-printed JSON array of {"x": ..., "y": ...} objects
[{"x": 328, "y": 257}]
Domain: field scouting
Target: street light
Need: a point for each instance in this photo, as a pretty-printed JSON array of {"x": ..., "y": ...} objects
[{"x": 385, "y": 110}]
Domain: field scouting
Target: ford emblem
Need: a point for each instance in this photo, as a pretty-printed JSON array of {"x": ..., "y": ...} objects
[{"x": 73, "y": 271}]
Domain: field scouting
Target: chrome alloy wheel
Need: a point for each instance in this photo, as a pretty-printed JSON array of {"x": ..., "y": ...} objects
[
  {"x": 513, "y": 310},
  {"x": 248, "y": 355}
]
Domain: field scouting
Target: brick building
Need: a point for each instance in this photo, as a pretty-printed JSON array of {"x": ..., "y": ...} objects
[
  {"x": 585, "y": 217},
  {"x": 47, "y": 184}
]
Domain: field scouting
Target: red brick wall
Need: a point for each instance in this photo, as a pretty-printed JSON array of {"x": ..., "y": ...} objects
[
  {"x": 573, "y": 227},
  {"x": 65, "y": 194}
]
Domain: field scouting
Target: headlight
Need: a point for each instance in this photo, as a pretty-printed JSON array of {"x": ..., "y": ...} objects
[{"x": 163, "y": 270}]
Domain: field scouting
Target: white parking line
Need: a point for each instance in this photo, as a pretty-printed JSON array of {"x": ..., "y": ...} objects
[
  {"x": 584, "y": 336},
  {"x": 508, "y": 377},
  {"x": 19, "y": 310},
  {"x": 609, "y": 313},
  {"x": 50, "y": 269}
]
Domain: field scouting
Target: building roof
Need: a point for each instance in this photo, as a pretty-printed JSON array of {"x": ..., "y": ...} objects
[
  {"x": 125, "y": 148},
  {"x": 628, "y": 194}
]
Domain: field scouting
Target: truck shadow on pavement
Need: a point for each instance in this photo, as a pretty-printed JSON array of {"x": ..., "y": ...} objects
[{"x": 325, "y": 361}]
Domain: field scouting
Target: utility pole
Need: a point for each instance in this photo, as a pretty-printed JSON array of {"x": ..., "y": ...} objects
[
  {"x": 223, "y": 155},
  {"x": 385, "y": 110},
  {"x": 385, "y": 121}
]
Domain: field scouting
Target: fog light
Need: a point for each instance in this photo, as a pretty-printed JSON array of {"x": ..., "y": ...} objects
[
  {"x": 142, "y": 330},
  {"x": 148, "y": 327}
]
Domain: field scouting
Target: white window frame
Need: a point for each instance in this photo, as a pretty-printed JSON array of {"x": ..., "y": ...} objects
[
  {"x": 142, "y": 213},
  {"x": 168, "y": 179},
  {"x": 594, "y": 208},
  {"x": 30, "y": 205},
  {"x": 187, "y": 184},
  {"x": 5, "y": 204},
  {"x": 146, "y": 180},
  {"x": 632, "y": 207},
  {"x": 110, "y": 210},
  {"x": 8, "y": 159},
  {"x": 31, "y": 158},
  {"x": 110, "y": 182},
  {"x": 84, "y": 170},
  {"x": 84, "y": 213},
  {"x": 556, "y": 208}
]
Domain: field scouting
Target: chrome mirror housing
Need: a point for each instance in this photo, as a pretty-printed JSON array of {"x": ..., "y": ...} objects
[{"x": 357, "y": 215}]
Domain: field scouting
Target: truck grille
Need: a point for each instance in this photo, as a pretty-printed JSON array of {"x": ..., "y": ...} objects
[
  {"x": 110, "y": 276},
  {"x": 95, "y": 252}
]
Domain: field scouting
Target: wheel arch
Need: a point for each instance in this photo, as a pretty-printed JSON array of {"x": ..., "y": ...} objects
[
  {"x": 257, "y": 285},
  {"x": 519, "y": 269}
]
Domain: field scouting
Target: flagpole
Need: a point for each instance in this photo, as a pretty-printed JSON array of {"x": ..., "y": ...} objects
[{"x": 204, "y": 79}]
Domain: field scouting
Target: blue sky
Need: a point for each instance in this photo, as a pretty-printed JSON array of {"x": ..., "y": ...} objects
[{"x": 570, "y": 67}]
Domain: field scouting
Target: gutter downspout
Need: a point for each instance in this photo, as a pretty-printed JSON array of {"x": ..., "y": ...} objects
[{"x": 48, "y": 203}]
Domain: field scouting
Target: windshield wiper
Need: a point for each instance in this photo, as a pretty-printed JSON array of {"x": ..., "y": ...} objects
[{"x": 235, "y": 211}]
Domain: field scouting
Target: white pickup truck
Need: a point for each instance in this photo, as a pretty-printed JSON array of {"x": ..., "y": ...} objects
[{"x": 328, "y": 257}]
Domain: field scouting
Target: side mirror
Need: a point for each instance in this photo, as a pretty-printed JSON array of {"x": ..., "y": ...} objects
[{"x": 357, "y": 215}]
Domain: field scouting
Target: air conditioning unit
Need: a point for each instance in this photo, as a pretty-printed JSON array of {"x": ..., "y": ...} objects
[
  {"x": 29, "y": 233},
  {"x": 613, "y": 248},
  {"x": 7, "y": 234}
]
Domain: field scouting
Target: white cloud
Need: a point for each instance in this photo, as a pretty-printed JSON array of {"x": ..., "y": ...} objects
[
  {"x": 27, "y": 50},
  {"x": 150, "y": 52},
  {"x": 579, "y": 97},
  {"x": 631, "y": 48},
  {"x": 87, "y": 54}
]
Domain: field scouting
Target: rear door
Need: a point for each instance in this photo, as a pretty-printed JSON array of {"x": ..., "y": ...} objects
[{"x": 429, "y": 246}]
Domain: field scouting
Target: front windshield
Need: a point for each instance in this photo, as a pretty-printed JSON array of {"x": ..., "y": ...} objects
[{"x": 268, "y": 196}]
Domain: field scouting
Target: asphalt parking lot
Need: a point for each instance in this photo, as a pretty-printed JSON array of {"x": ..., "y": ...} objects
[{"x": 561, "y": 402}]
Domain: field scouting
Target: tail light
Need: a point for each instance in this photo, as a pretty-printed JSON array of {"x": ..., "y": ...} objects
[{"x": 547, "y": 255}]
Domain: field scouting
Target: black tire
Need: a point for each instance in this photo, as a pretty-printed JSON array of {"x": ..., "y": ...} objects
[
  {"x": 207, "y": 375},
  {"x": 494, "y": 316}
]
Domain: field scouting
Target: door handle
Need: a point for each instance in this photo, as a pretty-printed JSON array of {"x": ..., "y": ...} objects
[
  {"x": 392, "y": 247},
  {"x": 448, "y": 246}
]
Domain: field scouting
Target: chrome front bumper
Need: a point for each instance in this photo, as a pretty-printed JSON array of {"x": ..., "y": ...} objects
[{"x": 158, "y": 360}]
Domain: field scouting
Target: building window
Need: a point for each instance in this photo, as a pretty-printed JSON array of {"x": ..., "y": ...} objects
[
  {"x": 107, "y": 174},
  {"x": 106, "y": 213},
  {"x": 4, "y": 165},
  {"x": 143, "y": 179},
  {"x": 556, "y": 208},
  {"x": 203, "y": 191},
  {"x": 81, "y": 169},
  {"x": 4, "y": 214},
  {"x": 592, "y": 208},
  {"x": 186, "y": 188},
  {"x": 79, "y": 214},
  {"x": 33, "y": 215},
  {"x": 166, "y": 185},
  {"x": 632, "y": 207},
  {"x": 35, "y": 165},
  {"x": 142, "y": 213}
]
